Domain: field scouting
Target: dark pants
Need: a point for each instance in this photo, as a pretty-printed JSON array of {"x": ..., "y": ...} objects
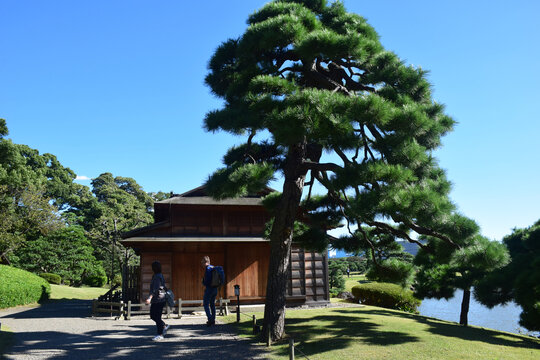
[
  {"x": 156, "y": 309},
  {"x": 209, "y": 303}
]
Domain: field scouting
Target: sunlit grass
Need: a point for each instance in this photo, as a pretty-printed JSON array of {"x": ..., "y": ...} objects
[
  {"x": 375, "y": 333},
  {"x": 79, "y": 293},
  {"x": 353, "y": 280}
]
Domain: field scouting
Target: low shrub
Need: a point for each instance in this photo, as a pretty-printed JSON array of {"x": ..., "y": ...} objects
[
  {"x": 390, "y": 296},
  {"x": 94, "y": 275},
  {"x": 20, "y": 287},
  {"x": 117, "y": 280},
  {"x": 51, "y": 278},
  {"x": 394, "y": 271},
  {"x": 95, "y": 280},
  {"x": 334, "y": 292}
]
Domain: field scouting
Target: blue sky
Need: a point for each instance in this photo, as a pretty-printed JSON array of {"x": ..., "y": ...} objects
[{"x": 117, "y": 86}]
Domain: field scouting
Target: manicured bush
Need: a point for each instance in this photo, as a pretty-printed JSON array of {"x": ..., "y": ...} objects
[
  {"x": 117, "y": 280},
  {"x": 392, "y": 270},
  {"x": 97, "y": 279},
  {"x": 51, "y": 278},
  {"x": 390, "y": 296},
  {"x": 20, "y": 287}
]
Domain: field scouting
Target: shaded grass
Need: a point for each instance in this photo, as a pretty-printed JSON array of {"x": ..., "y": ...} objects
[
  {"x": 375, "y": 333},
  {"x": 63, "y": 292}
]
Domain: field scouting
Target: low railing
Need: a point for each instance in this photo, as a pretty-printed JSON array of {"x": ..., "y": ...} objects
[{"x": 127, "y": 309}]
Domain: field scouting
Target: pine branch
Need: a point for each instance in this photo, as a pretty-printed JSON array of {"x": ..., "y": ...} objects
[{"x": 322, "y": 167}]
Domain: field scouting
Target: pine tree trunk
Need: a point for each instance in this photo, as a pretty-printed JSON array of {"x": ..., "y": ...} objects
[
  {"x": 280, "y": 245},
  {"x": 463, "y": 317}
]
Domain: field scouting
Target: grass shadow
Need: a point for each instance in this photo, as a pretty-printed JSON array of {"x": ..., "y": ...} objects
[{"x": 468, "y": 333}]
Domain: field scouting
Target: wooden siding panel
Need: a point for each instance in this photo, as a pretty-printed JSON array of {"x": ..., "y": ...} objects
[
  {"x": 146, "y": 270},
  {"x": 247, "y": 266},
  {"x": 189, "y": 273}
]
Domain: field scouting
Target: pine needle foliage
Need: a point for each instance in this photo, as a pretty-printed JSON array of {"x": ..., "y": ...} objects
[{"x": 308, "y": 78}]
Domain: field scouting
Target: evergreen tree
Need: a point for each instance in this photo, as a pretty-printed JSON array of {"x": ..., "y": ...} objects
[
  {"x": 65, "y": 252},
  {"x": 519, "y": 280},
  {"x": 118, "y": 205},
  {"x": 336, "y": 270},
  {"x": 308, "y": 79},
  {"x": 443, "y": 268}
]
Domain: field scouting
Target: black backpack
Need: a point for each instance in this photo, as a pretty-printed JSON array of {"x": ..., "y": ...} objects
[{"x": 218, "y": 277}]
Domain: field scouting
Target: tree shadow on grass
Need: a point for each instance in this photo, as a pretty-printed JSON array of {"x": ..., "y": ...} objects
[
  {"x": 341, "y": 329},
  {"x": 444, "y": 328}
]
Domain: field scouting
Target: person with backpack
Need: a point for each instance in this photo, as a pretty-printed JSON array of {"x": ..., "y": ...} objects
[
  {"x": 212, "y": 280},
  {"x": 157, "y": 300}
]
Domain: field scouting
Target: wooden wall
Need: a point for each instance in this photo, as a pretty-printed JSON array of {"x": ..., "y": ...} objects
[
  {"x": 147, "y": 259},
  {"x": 213, "y": 220},
  {"x": 308, "y": 276},
  {"x": 245, "y": 264}
]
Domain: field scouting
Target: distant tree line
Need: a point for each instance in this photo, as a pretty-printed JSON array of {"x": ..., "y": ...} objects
[{"x": 51, "y": 224}]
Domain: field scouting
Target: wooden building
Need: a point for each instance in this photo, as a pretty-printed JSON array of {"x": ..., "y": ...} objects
[{"x": 188, "y": 226}]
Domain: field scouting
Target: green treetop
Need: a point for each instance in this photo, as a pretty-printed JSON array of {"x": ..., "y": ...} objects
[
  {"x": 519, "y": 280},
  {"x": 307, "y": 79}
]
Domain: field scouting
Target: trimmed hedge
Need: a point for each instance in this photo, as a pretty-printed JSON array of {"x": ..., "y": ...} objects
[
  {"x": 51, "y": 278},
  {"x": 20, "y": 287},
  {"x": 386, "y": 295}
]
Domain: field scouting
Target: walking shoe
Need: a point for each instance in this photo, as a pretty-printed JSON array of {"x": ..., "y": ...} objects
[
  {"x": 157, "y": 338},
  {"x": 165, "y": 328},
  {"x": 210, "y": 322}
]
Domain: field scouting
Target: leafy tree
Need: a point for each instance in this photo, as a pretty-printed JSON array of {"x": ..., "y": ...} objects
[
  {"x": 444, "y": 268},
  {"x": 118, "y": 204},
  {"x": 3, "y": 128},
  {"x": 160, "y": 195},
  {"x": 354, "y": 263},
  {"x": 307, "y": 79},
  {"x": 27, "y": 208},
  {"x": 519, "y": 280},
  {"x": 335, "y": 276},
  {"x": 65, "y": 252}
]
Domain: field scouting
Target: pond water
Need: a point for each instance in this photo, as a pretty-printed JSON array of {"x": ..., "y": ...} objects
[{"x": 504, "y": 318}]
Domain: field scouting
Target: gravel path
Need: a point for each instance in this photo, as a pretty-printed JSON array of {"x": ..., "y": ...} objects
[{"x": 65, "y": 330}]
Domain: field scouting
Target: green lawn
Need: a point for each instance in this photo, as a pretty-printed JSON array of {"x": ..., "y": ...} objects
[
  {"x": 82, "y": 293},
  {"x": 353, "y": 280},
  {"x": 375, "y": 333}
]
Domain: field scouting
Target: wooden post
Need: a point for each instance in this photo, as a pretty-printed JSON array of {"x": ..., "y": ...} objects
[
  {"x": 168, "y": 311},
  {"x": 128, "y": 312},
  {"x": 255, "y": 328},
  {"x": 269, "y": 338},
  {"x": 119, "y": 311},
  {"x": 291, "y": 349},
  {"x": 179, "y": 308},
  {"x": 220, "y": 306},
  {"x": 94, "y": 307}
]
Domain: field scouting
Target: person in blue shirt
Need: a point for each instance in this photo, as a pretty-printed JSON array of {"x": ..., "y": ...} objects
[{"x": 210, "y": 293}]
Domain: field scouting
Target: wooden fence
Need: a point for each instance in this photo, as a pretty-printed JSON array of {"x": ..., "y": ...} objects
[{"x": 127, "y": 309}]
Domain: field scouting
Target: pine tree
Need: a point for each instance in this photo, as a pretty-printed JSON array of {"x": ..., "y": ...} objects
[
  {"x": 443, "y": 268},
  {"x": 519, "y": 280},
  {"x": 320, "y": 100}
]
